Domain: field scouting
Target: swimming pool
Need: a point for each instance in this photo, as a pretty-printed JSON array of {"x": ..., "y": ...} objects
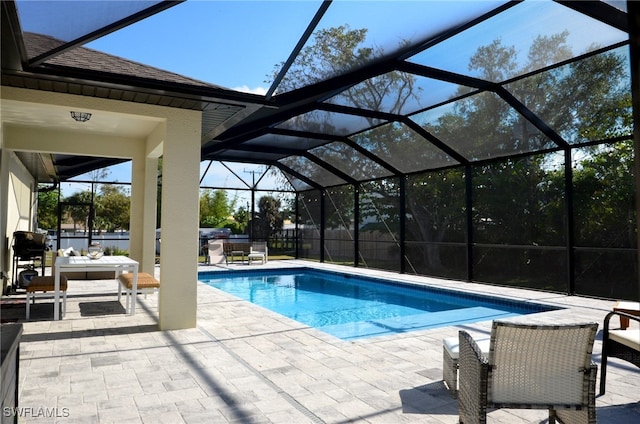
[{"x": 352, "y": 307}]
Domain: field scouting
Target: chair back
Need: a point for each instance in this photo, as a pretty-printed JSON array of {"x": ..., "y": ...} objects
[
  {"x": 259, "y": 246},
  {"x": 216, "y": 252},
  {"x": 539, "y": 364}
]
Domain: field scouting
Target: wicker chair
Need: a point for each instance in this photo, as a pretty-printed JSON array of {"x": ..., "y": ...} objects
[
  {"x": 621, "y": 344},
  {"x": 531, "y": 367}
]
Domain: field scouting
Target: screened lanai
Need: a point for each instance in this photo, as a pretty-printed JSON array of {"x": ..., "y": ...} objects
[{"x": 488, "y": 141}]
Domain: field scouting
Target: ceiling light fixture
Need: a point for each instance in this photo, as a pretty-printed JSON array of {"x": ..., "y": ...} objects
[{"x": 81, "y": 116}]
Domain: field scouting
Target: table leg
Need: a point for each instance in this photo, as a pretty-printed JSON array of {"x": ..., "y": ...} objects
[
  {"x": 56, "y": 295},
  {"x": 630, "y": 308},
  {"x": 624, "y": 323},
  {"x": 134, "y": 290}
]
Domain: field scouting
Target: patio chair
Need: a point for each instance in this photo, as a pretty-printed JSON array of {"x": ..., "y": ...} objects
[
  {"x": 216, "y": 252},
  {"x": 450, "y": 364},
  {"x": 259, "y": 251},
  {"x": 530, "y": 367},
  {"x": 621, "y": 344}
]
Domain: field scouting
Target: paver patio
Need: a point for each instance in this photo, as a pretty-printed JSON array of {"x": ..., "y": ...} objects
[{"x": 245, "y": 364}]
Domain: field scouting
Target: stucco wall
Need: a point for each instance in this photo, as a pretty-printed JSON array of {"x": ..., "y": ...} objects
[{"x": 20, "y": 206}]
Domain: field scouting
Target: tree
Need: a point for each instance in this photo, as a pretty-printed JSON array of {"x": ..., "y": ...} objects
[
  {"x": 332, "y": 51},
  {"x": 605, "y": 197},
  {"x": 215, "y": 208},
  {"x": 78, "y": 210},
  {"x": 241, "y": 217},
  {"x": 112, "y": 206},
  {"x": 47, "y": 209},
  {"x": 268, "y": 220}
]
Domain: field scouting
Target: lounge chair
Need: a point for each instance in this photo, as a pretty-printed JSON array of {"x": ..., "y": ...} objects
[
  {"x": 216, "y": 252},
  {"x": 259, "y": 252},
  {"x": 621, "y": 344},
  {"x": 530, "y": 367}
]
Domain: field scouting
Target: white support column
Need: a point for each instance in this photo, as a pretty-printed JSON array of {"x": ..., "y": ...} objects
[
  {"x": 149, "y": 223},
  {"x": 180, "y": 211},
  {"x": 143, "y": 212},
  {"x": 4, "y": 206}
]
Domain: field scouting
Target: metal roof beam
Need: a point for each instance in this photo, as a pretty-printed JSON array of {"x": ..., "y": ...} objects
[
  {"x": 335, "y": 171},
  {"x": 367, "y": 113},
  {"x": 531, "y": 117},
  {"x": 287, "y": 151},
  {"x": 372, "y": 156},
  {"x": 341, "y": 139},
  {"x": 298, "y": 47},
  {"x": 442, "y": 75},
  {"x": 601, "y": 11},
  {"x": 303, "y": 178},
  {"x": 150, "y": 11},
  {"x": 435, "y": 141}
]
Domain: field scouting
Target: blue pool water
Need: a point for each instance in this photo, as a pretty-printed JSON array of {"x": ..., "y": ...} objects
[{"x": 352, "y": 307}]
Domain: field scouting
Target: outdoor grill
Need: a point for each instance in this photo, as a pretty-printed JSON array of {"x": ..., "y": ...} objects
[{"x": 27, "y": 247}]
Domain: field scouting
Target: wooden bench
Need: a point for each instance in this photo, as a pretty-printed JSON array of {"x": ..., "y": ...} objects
[
  {"x": 232, "y": 249},
  {"x": 46, "y": 285},
  {"x": 631, "y": 308},
  {"x": 146, "y": 284}
]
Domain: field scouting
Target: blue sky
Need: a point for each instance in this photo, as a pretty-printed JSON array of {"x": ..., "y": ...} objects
[{"x": 232, "y": 44}]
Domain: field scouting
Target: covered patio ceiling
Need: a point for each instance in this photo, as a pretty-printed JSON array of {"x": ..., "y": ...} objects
[{"x": 345, "y": 114}]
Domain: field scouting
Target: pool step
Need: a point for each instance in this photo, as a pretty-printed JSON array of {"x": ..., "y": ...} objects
[{"x": 414, "y": 322}]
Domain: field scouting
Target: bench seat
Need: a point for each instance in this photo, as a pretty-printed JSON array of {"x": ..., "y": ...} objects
[
  {"x": 45, "y": 286},
  {"x": 146, "y": 284}
]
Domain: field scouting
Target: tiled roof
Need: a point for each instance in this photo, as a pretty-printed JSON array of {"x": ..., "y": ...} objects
[{"x": 93, "y": 60}]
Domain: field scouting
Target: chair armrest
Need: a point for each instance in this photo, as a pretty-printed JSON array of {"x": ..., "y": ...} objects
[
  {"x": 607, "y": 319},
  {"x": 472, "y": 380},
  {"x": 590, "y": 384}
]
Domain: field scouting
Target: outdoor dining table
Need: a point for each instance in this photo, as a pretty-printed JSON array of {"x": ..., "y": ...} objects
[{"x": 118, "y": 264}]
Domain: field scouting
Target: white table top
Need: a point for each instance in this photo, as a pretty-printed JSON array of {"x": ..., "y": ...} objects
[{"x": 84, "y": 261}]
